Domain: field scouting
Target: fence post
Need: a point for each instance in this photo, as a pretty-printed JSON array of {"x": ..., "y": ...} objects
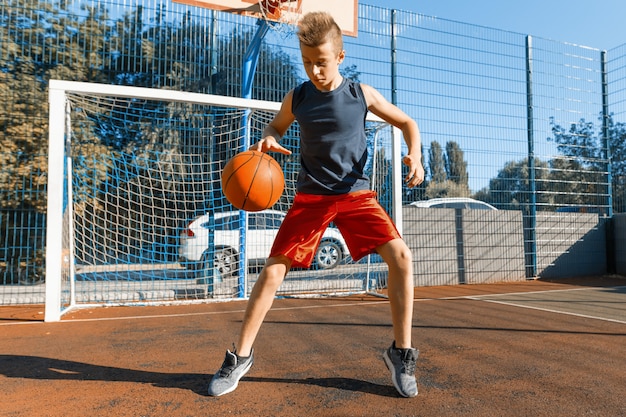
[
  {"x": 606, "y": 143},
  {"x": 250, "y": 61},
  {"x": 531, "y": 225},
  {"x": 394, "y": 59},
  {"x": 396, "y": 136}
]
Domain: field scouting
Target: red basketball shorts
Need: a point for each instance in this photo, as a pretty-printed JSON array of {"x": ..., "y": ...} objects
[{"x": 364, "y": 224}]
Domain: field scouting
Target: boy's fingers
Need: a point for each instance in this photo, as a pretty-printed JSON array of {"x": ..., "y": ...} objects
[
  {"x": 280, "y": 149},
  {"x": 269, "y": 146}
]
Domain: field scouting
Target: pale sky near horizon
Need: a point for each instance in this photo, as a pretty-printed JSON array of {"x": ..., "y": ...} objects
[{"x": 599, "y": 25}]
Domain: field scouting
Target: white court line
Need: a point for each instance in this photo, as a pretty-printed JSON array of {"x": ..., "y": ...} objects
[
  {"x": 549, "y": 310},
  {"x": 211, "y": 313},
  {"x": 552, "y": 311},
  {"x": 366, "y": 303},
  {"x": 207, "y": 313},
  {"x": 540, "y": 292}
]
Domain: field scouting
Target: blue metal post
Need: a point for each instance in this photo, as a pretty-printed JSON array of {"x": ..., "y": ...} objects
[
  {"x": 394, "y": 59},
  {"x": 531, "y": 232},
  {"x": 606, "y": 142},
  {"x": 250, "y": 61}
]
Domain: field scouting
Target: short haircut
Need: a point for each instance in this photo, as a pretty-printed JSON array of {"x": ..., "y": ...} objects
[{"x": 317, "y": 28}]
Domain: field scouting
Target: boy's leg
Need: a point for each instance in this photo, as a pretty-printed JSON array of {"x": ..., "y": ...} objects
[
  {"x": 400, "y": 357},
  {"x": 261, "y": 299},
  {"x": 398, "y": 258},
  {"x": 236, "y": 364}
]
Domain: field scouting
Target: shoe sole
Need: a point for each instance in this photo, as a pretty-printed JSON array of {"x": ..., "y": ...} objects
[
  {"x": 391, "y": 369},
  {"x": 236, "y": 384}
]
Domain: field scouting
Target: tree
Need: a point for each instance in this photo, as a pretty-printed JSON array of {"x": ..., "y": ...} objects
[
  {"x": 445, "y": 189},
  {"x": 448, "y": 172},
  {"x": 510, "y": 189},
  {"x": 579, "y": 173},
  {"x": 39, "y": 42},
  {"x": 579, "y": 142},
  {"x": 181, "y": 142},
  {"x": 436, "y": 163},
  {"x": 58, "y": 48},
  {"x": 456, "y": 167},
  {"x": 617, "y": 144}
]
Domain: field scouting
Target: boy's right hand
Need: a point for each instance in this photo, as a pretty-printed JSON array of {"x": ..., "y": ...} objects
[{"x": 269, "y": 144}]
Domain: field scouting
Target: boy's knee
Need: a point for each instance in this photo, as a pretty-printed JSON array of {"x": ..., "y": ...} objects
[
  {"x": 397, "y": 252},
  {"x": 275, "y": 269},
  {"x": 402, "y": 251},
  {"x": 405, "y": 253}
]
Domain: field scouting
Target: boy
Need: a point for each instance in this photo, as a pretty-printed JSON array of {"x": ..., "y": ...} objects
[{"x": 332, "y": 186}]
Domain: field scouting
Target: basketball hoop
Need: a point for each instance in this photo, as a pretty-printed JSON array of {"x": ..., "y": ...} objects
[{"x": 281, "y": 14}]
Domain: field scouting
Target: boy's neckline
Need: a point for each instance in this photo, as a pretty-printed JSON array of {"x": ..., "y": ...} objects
[{"x": 343, "y": 81}]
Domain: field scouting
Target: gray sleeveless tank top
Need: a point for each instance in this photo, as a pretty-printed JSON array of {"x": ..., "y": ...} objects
[{"x": 333, "y": 146}]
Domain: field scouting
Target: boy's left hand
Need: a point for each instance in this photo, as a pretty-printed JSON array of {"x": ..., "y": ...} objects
[{"x": 416, "y": 171}]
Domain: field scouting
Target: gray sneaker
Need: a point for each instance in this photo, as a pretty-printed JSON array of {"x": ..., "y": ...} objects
[
  {"x": 233, "y": 369},
  {"x": 401, "y": 363}
]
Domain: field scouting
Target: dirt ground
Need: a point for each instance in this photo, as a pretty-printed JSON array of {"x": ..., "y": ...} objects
[{"x": 321, "y": 357}]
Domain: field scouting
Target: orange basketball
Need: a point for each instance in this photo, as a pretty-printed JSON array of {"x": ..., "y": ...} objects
[{"x": 252, "y": 181}]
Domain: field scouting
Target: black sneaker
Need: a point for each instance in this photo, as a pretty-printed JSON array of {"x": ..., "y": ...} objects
[
  {"x": 401, "y": 363},
  {"x": 233, "y": 369}
]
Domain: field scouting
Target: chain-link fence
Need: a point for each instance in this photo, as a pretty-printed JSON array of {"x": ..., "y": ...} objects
[{"x": 526, "y": 124}]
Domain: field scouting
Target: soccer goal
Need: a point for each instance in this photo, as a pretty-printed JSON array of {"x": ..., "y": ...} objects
[{"x": 136, "y": 215}]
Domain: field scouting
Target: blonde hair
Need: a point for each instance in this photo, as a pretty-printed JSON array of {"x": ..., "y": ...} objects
[{"x": 317, "y": 28}]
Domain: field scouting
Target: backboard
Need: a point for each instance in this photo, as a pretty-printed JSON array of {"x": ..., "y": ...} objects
[{"x": 344, "y": 11}]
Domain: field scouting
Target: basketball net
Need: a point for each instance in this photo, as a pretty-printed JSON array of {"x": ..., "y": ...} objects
[{"x": 283, "y": 15}]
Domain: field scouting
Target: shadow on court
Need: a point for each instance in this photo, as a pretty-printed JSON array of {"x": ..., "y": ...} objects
[
  {"x": 48, "y": 369},
  {"x": 465, "y": 328},
  {"x": 38, "y": 368},
  {"x": 322, "y": 357}
]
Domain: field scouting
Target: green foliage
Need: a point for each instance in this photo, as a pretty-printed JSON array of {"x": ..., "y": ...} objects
[
  {"x": 576, "y": 177},
  {"x": 617, "y": 145},
  {"x": 437, "y": 163},
  {"x": 446, "y": 188},
  {"x": 456, "y": 166},
  {"x": 54, "y": 42},
  {"x": 448, "y": 172},
  {"x": 510, "y": 189},
  {"x": 579, "y": 173}
]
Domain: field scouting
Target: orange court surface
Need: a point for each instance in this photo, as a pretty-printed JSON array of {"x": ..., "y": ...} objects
[{"x": 533, "y": 348}]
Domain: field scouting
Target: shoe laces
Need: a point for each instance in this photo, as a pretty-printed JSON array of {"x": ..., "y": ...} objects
[
  {"x": 230, "y": 363},
  {"x": 408, "y": 360}
]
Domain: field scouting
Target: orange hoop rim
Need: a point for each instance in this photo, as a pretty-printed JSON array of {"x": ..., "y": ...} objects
[{"x": 284, "y": 12}]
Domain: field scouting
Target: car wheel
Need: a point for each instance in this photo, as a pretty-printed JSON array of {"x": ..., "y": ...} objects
[
  {"x": 225, "y": 261},
  {"x": 328, "y": 255}
]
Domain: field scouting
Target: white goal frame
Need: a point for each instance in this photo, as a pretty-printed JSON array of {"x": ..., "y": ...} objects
[{"x": 58, "y": 163}]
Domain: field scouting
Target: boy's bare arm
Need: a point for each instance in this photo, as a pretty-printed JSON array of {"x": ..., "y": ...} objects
[
  {"x": 275, "y": 130},
  {"x": 390, "y": 113}
]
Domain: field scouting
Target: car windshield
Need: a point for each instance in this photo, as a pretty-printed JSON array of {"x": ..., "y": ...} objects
[
  {"x": 225, "y": 223},
  {"x": 264, "y": 221},
  {"x": 455, "y": 205},
  {"x": 256, "y": 221},
  {"x": 478, "y": 206}
]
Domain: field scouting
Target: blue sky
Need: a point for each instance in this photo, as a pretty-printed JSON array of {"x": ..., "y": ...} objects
[{"x": 600, "y": 25}]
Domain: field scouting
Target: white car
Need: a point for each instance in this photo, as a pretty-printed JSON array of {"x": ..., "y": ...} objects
[
  {"x": 454, "y": 202},
  {"x": 262, "y": 229}
]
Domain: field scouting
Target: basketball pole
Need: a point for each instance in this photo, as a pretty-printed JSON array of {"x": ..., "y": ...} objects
[{"x": 249, "y": 66}]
